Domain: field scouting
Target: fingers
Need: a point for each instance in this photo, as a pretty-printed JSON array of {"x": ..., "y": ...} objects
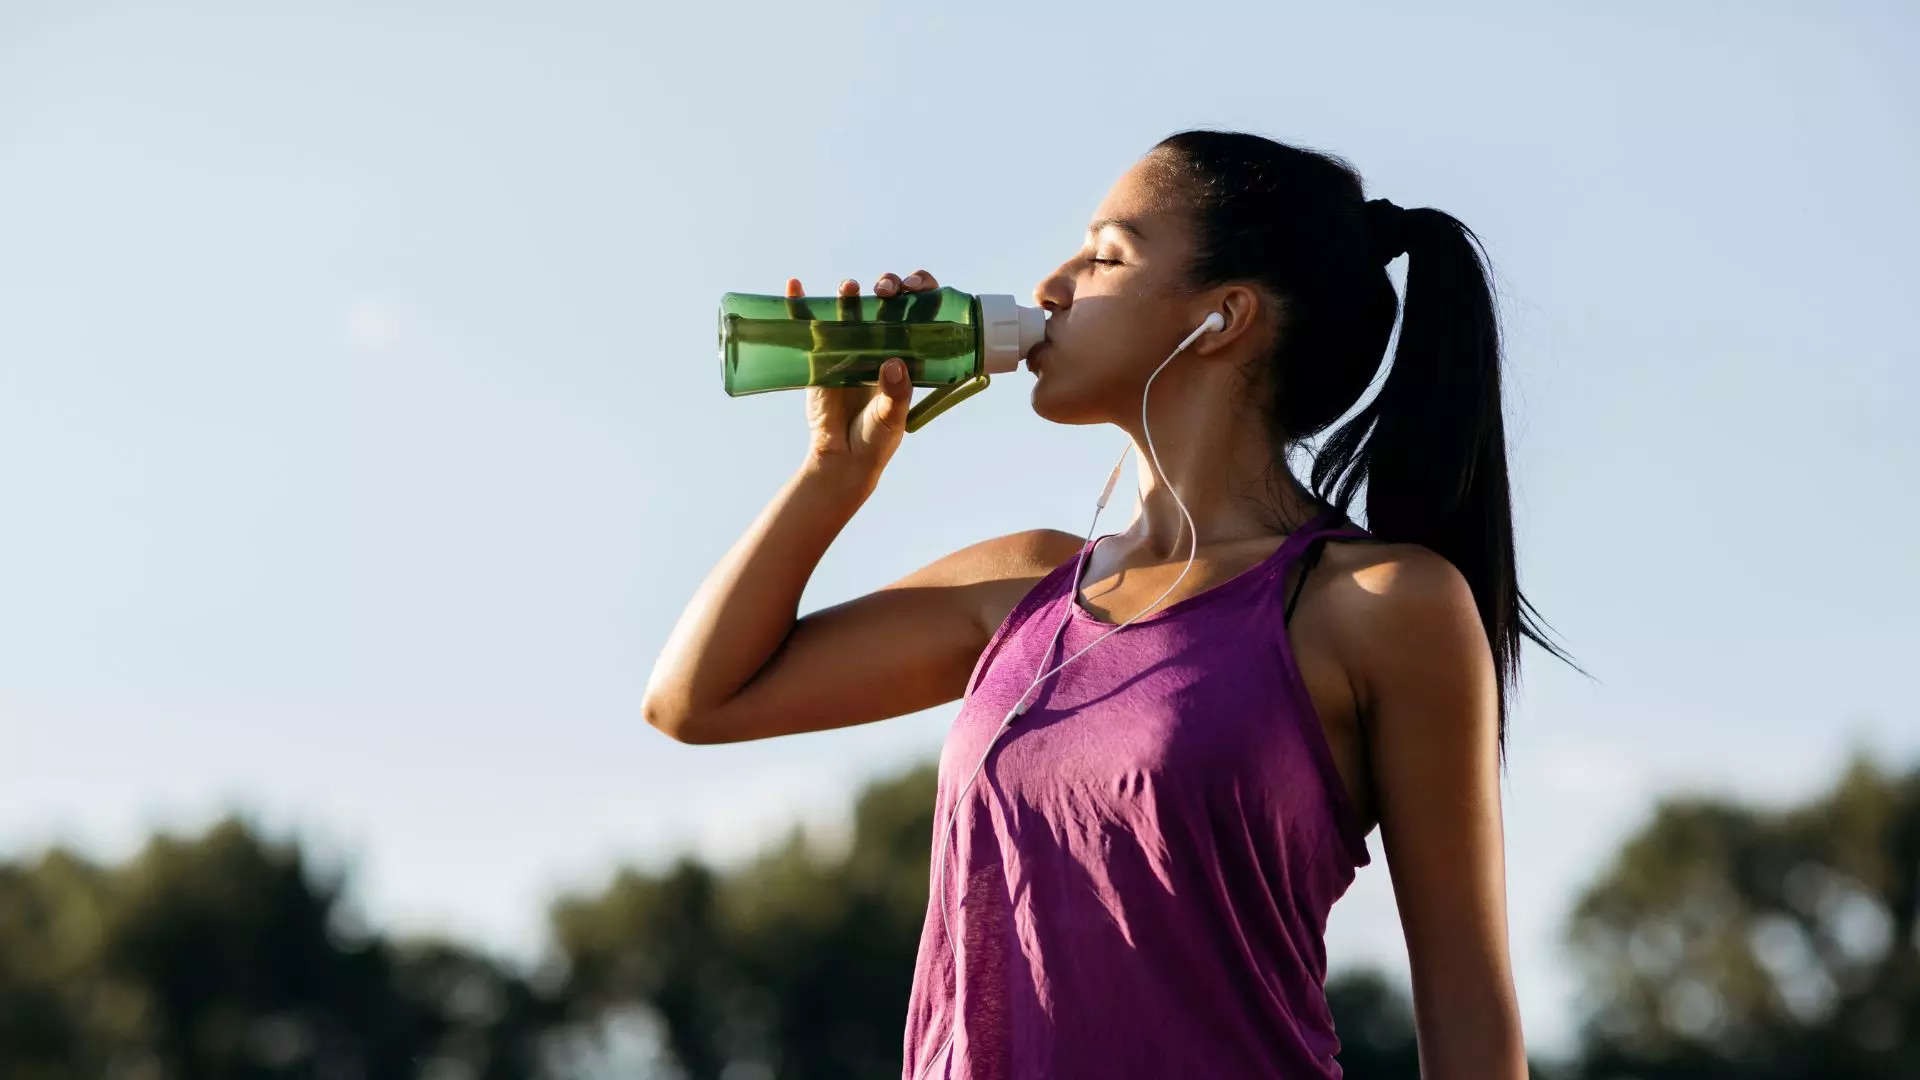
[
  {"x": 918, "y": 281},
  {"x": 888, "y": 285},
  {"x": 796, "y": 309}
]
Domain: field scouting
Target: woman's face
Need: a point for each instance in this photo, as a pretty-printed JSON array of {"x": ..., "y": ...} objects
[{"x": 1116, "y": 307}]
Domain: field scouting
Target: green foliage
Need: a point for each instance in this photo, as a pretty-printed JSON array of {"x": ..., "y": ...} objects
[
  {"x": 804, "y": 964},
  {"x": 1374, "y": 1020},
  {"x": 1722, "y": 941},
  {"x": 221, "y": 957},
  {"x": 1729, "y": 941},
  {"x": 795, "y": 960}
]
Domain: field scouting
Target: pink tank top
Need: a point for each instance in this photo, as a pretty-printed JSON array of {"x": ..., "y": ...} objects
[{"x": 1139, "y": 882}]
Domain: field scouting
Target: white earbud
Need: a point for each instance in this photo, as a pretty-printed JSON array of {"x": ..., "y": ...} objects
[{"x": 1213, "y": 321}]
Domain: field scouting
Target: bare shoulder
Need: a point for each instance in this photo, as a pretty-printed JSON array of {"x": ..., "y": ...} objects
[
  {"x": 1014, "y": 564},
  {"x": 1030, "y": 553},
  {"x": 1404, "y": 613},
  {"x": 1383, "y": 569},
  {"x": 995, "y": 573}
]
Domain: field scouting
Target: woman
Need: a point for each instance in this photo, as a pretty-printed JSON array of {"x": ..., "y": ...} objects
[{"x": 1133, "y": 873}]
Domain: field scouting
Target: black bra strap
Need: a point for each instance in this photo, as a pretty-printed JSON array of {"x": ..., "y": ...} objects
[
  {"x": 1311, "y": 556},
  {"x": 1306, "y": 566}
]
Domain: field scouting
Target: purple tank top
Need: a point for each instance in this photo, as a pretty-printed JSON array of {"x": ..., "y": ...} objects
[{"x": 1139, "y": 882}]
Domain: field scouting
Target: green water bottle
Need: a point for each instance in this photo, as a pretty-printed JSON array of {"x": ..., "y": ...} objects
[{"x": 950, "y": 340}]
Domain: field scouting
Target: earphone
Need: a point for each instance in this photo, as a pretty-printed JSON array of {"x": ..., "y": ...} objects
[{"x": 1214, "y": 321}]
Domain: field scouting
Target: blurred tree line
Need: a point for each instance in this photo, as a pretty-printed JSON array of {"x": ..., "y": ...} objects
[{"x": 1722, "y": 941}]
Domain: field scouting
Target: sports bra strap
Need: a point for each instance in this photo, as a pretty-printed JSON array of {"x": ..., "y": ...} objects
[{"x": 1312, "y": 556}]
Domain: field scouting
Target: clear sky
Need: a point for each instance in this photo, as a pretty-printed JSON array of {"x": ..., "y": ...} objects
[{"x": 362, "y": 434}]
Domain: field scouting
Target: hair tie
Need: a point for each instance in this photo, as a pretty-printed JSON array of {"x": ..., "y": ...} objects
[{"x": 1386, "y": 230}]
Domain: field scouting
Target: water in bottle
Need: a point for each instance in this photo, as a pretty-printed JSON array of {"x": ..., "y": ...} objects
[{"x": 949, "y": 339}]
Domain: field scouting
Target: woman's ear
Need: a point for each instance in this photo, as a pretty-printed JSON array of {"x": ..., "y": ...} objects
[{"x": 1242, "y": 308}]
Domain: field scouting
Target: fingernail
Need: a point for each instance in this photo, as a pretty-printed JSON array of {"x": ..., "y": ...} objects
[
  {"x": 893, "y": 370},
  {"x": 884, "y": 287},
  {"x": 913, "y": 279}
]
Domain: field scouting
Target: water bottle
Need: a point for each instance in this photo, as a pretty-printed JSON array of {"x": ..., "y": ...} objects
[{"x": 950, "y": 340}]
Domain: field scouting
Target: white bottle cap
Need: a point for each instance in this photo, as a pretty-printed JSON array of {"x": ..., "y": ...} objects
[{"x": 1007, "y": 331}]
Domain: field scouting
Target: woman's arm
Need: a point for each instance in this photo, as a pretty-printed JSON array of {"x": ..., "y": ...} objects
[{"x": 1428, "y": 697}]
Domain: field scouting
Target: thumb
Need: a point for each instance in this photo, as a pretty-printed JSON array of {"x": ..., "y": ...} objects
[{"x": 889, "y": 407}]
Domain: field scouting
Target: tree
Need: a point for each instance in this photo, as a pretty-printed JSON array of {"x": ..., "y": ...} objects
[
  {"x": 798, "y": 962},
  {"x": 1374, "y": 1020},
  {"x": 222, "y": 956},
  {"x": 1730, "y": 941},
  {"x": 804, "y": 964}
]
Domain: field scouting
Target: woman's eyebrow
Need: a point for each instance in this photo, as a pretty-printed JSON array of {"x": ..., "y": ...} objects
[{"x": 1123, "y": 224}]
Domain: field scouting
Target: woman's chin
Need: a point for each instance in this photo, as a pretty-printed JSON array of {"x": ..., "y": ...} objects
[{"x": 1047, "y": 405}]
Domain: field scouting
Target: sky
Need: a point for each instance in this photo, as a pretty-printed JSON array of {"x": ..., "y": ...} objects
[{"x": 362, "y": 434}]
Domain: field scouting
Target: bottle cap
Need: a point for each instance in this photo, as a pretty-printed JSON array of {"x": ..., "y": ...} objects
[{"x": 1007, "y": 331}]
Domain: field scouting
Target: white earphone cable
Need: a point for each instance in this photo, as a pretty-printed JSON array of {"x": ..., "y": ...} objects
[{"x": 1213, "y": 321}]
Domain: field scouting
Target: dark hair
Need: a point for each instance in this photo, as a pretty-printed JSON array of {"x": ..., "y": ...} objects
[{"x": 1430, "y": 446}]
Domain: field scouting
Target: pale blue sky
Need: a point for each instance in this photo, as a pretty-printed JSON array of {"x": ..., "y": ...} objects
[{"x": 361, "y": 432}]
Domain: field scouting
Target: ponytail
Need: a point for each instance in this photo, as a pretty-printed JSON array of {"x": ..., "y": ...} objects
[{"x": 1431, "y": 445}]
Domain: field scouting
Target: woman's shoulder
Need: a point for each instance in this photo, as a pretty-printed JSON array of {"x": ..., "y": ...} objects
[
  {"x": 1376, "y": 577},
  {"x": 1009, "y": 567},
  {"x": 1388, "y": 597}
]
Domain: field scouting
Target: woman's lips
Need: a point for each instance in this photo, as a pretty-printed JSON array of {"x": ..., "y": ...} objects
[{"x": 1033, "y": 358}]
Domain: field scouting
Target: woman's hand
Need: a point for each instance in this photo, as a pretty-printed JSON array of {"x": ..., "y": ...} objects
[{"x": 856, "y": 429}]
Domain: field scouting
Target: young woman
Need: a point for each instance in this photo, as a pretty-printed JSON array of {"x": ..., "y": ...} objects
[{"x": 1174, "y": 741}]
